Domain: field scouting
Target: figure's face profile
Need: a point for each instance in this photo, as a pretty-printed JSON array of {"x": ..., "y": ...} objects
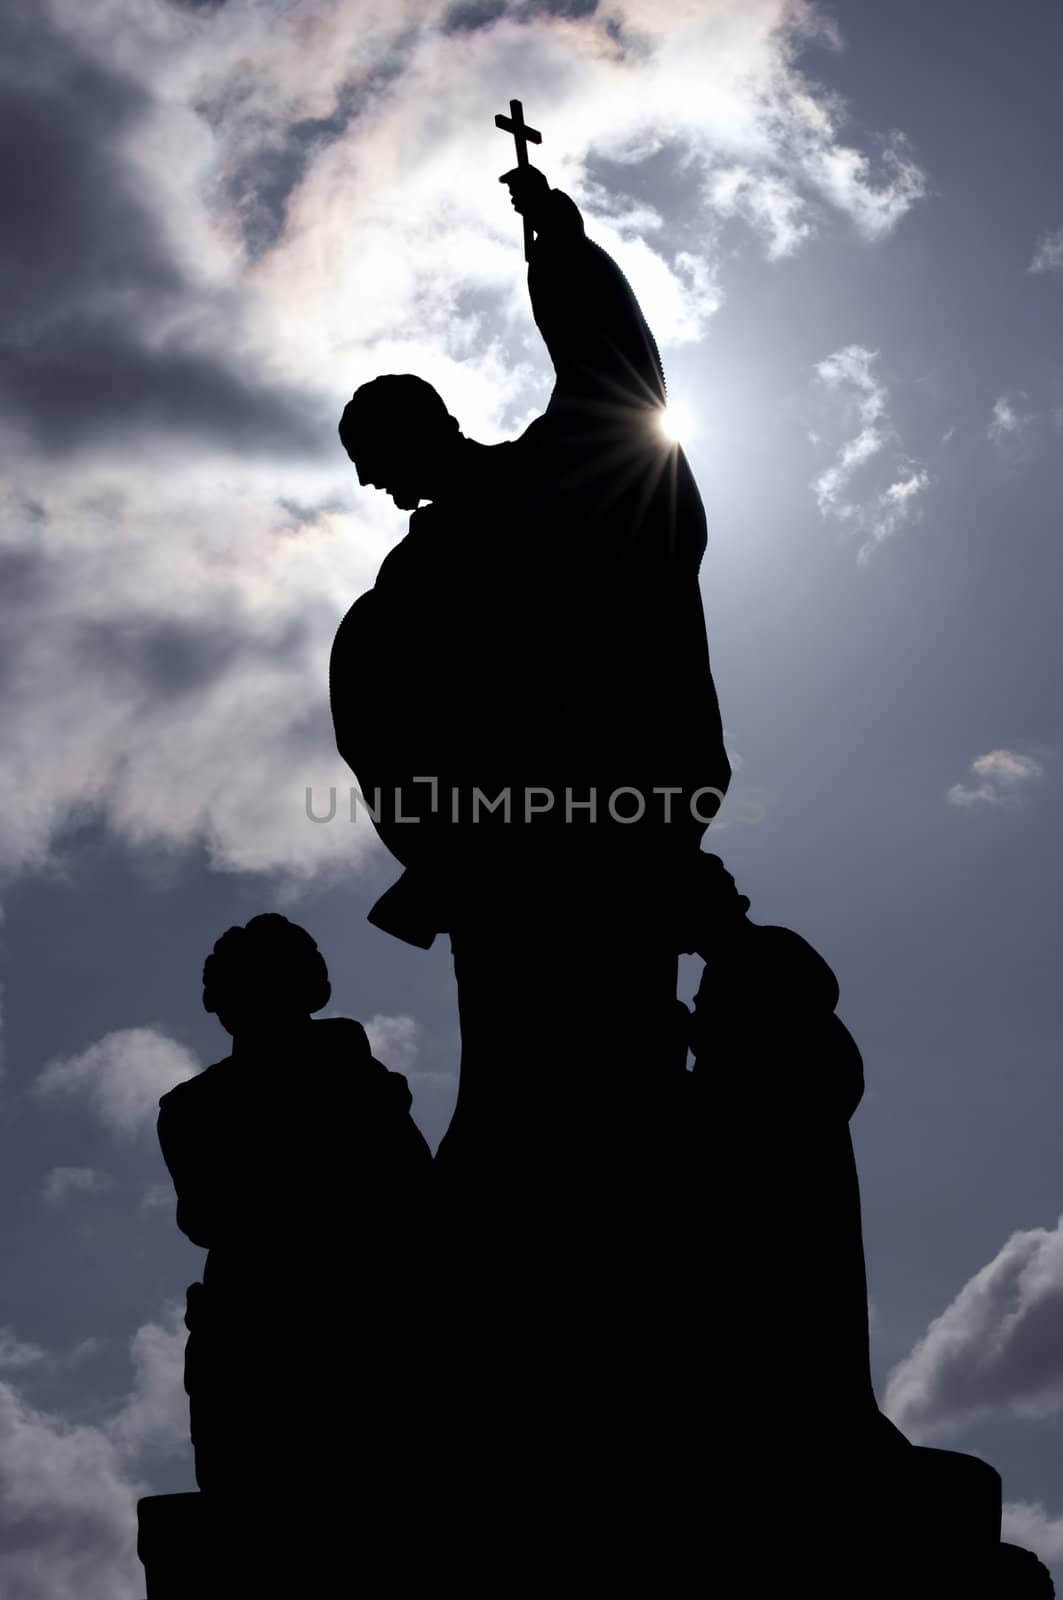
[{"x": 381, "y": 467}]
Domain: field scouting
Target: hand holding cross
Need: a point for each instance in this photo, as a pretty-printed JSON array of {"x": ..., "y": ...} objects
[{"x": 522, "y": 134}]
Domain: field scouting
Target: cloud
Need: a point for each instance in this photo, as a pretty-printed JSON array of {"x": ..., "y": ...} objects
[
  {"x": 394, "y": 1041},
  {"x": 15, "y": 1353},
  {"x": 886, "y": 494},
  {"x": 227, "y": 216},
  {"x": 121, "y": 1076},
  {"x": 64, "y": 1181},
  {"x": 1003, "y": 778},
  {"x": 1009, "y": 421},
  {"x": 845, "y": 176},
  {"x": 1048, "y": 257},
  {"x": 767, "y": 202},
  {"x": 68, "y": 1490},
  {"x": 1030, "y": 1526},
  {"x": 96, "y": 303},
  {"x": 998, "y": 1348},
  {"x": 1018, "y": 430},
  {"x": 159, "y": 629},
  {"x": 155, "y": 1412}
]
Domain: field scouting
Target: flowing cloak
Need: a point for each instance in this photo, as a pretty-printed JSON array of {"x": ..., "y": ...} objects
[{"x": 541, "y": 624}]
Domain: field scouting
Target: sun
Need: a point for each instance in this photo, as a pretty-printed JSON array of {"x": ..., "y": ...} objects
[{"x": 676, "y": 422}]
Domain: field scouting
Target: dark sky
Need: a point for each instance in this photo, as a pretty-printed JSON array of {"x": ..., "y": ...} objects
[{"x": 845, "y": 225}]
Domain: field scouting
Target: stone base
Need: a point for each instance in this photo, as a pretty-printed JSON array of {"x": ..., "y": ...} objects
[
  {"x": 929, "y": 1530},
  {"x": 200, "y": 1546},
  {"x": 197, "y": 1547},
  {"x": 176, "y": 1545}
]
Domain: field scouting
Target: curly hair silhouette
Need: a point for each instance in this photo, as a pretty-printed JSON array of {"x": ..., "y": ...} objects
[{"x": 271, "y": 965}]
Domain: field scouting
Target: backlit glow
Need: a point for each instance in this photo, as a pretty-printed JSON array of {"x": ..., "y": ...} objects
[{"x": 676, "y": 423}]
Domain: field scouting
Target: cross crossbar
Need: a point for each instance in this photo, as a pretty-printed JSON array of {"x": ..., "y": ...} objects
[{"x": 523, "y": 135}]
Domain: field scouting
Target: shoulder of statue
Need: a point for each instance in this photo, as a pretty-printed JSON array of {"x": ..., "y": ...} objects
[
  {"x": 342, "y": 1034},
  {"x": 558, "y": 224},
  {"x": 184, "y": 1098}
]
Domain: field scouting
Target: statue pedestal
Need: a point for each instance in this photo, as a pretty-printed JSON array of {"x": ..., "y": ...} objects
[
  {"x": 203, "y": 1547},
  {"x": 291, "y": 1544},
  {"x": 926, "y": 1525},
  {"x": 176, "y": 1545}
]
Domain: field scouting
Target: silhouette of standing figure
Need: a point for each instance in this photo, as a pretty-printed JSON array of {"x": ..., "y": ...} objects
[
  {"x": 299, "y": 1169},
  {"x": 541, "y": 623},
  {"x": 538, "y": 635}
]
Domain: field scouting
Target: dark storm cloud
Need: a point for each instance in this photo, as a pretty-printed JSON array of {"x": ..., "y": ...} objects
[
  {"x": 167, "y": 659},
  {"x": 72, "y": 225},
  {"x": 260, "y": 191},
  {"x": 467, "y": 15},
  {"x": 85, "y": 274},
  {"x": 471, "y": 14},
  {"x": 24, "y": 586},
  {"x": 21, "y": 577},
  {"x": 163, "y": 659},
  {"x": 85, "y": 378},
  {"x": 306, "y": 514},
  {"x": 561, "y": 8}
]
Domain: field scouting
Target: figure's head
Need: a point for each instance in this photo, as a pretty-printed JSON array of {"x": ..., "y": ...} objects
[
  {"x": 399, "y": 434},
  {"x": 266, "y": 977}
]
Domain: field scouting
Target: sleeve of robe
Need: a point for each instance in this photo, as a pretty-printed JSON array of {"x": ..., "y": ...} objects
[
  {"x": 631, "y": 500},
  {"x": 603, "y": 352},
  {"x": 179, "y": 1141}
]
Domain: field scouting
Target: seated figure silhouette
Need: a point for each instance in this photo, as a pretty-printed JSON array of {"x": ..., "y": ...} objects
[
  {"x": 773, "y": 1058},
  {"x": 773, "y": 1182},
  {"x": 299, "y": 1169}
]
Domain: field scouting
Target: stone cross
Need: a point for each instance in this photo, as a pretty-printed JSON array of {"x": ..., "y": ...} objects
[{"x": 516, "y": 125}]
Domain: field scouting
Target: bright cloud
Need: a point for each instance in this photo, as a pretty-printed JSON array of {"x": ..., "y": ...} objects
[
  {"x": 998, "y": 1348},
  {"x": 767, "y": 202},
  {"x": 1002, "y": 778},
  {"x": 394, "y": 1041},
  {"x": 871, "y": 488},
  {"x": 1009, "y": 420},
  {"x": 1031, "y": 1527},
  {"x": 233, "y": 215},
  {"x": 121, "y": 1076},
  {"x": 1048, "y": 257},
  {"x": 68, "y": 1491},
  {"x": 1020, "y": 429}
]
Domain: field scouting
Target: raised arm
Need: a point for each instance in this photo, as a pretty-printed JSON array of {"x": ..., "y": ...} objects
[{"x": 601, "y": 346}]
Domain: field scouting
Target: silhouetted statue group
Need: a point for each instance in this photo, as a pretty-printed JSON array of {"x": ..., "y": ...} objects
[{"x": 615, "y": 1333}]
